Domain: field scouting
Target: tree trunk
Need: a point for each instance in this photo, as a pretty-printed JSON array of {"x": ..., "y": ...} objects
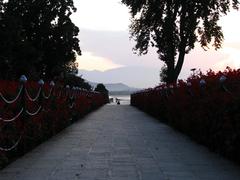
[
  {"x": 170, "y": 75},
  {"x": 170, "y": 56},
  {"x": 179, "y": 63},
  {"x": 182, "y": 45}
]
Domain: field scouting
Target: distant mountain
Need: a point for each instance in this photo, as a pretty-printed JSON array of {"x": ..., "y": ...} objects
[
  {"x": 117, "y": 88},
  {"x": 139, "y": 77}
]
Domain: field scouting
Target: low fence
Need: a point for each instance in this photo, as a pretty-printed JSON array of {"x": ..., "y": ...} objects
[
  {"x": 205, "y": 107},
  {"x": 31, "y": 112}
]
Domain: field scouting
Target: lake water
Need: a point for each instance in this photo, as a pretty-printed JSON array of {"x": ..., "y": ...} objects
[{"x": 124, "y": 99}]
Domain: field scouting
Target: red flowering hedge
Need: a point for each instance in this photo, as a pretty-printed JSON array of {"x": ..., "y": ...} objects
[
  {"x": 31, "y": 113},
  {"x": 205, "y": 107}
]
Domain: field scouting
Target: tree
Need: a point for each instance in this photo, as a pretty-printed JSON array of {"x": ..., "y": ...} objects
[
  {"x": 46, "y": 39},
  {"x": 174, "y": 26},
  {"x": 11, "y": 44},
  {"x": 102, "y": 89},
  {"x": 77, "y": 81}
]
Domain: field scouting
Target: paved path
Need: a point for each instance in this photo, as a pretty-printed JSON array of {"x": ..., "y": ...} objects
[{"x": 120, "y": 143}]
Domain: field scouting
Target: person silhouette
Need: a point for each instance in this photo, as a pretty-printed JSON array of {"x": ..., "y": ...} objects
[{"x": 118, "y": 101}]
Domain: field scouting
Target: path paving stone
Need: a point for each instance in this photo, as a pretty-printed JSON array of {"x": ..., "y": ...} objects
[{"x": 120, "y": 143}]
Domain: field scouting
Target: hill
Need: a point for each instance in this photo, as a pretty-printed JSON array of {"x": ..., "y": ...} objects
[
  {"x": 139, "y": 77},
  {"x": 117, "y": 88}
]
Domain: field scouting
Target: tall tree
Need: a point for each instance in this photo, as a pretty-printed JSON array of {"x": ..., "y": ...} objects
[
  {"x": 46, "y": 40},
  {"x": 15, "y": 52},
  {"x": 173, "y": 27}
]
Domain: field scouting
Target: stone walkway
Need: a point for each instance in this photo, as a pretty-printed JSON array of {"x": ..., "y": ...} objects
[{"x": 120, "y": 143}]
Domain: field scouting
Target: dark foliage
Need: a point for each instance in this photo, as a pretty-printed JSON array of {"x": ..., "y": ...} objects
[
  {"x": 102, "y": 89},
  {"x": 38, "y": 38},
  {"x": 77, "y": 81}
]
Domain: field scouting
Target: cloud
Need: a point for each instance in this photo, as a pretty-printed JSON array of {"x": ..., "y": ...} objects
[
  {"x": 233, "y": 45},
  {"x": 230, "y": 26},
  {"x": 106, "y": 15},
  {"x": 211, "y": 59},
  {"x": 89, "y": 61},
  {"x": 203, "y": 60},
  {"x": 116, "y": 46},
  {"x": 231, "y": 60}
]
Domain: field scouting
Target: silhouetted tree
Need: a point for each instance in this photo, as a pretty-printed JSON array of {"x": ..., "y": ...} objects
[
  {"x": 39, "y": 37},
  {"x": 78, "y": 81},
  {"x": 173, "y": 27},
  {"x": 12, "y": 46},
  {"x": 3, "y": 62},
  {"x": 102, "y": 89}
]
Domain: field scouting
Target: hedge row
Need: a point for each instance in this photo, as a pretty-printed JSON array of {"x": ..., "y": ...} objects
[
  {"x": 205, "y": 107},
  {"x": 31, "y": 112}
]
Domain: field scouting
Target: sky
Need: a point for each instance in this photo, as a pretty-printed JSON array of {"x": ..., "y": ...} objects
[{"x": 105, "y": 43}]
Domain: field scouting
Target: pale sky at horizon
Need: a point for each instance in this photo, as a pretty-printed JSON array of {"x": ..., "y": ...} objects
[{"x": 105, "y": 45}]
